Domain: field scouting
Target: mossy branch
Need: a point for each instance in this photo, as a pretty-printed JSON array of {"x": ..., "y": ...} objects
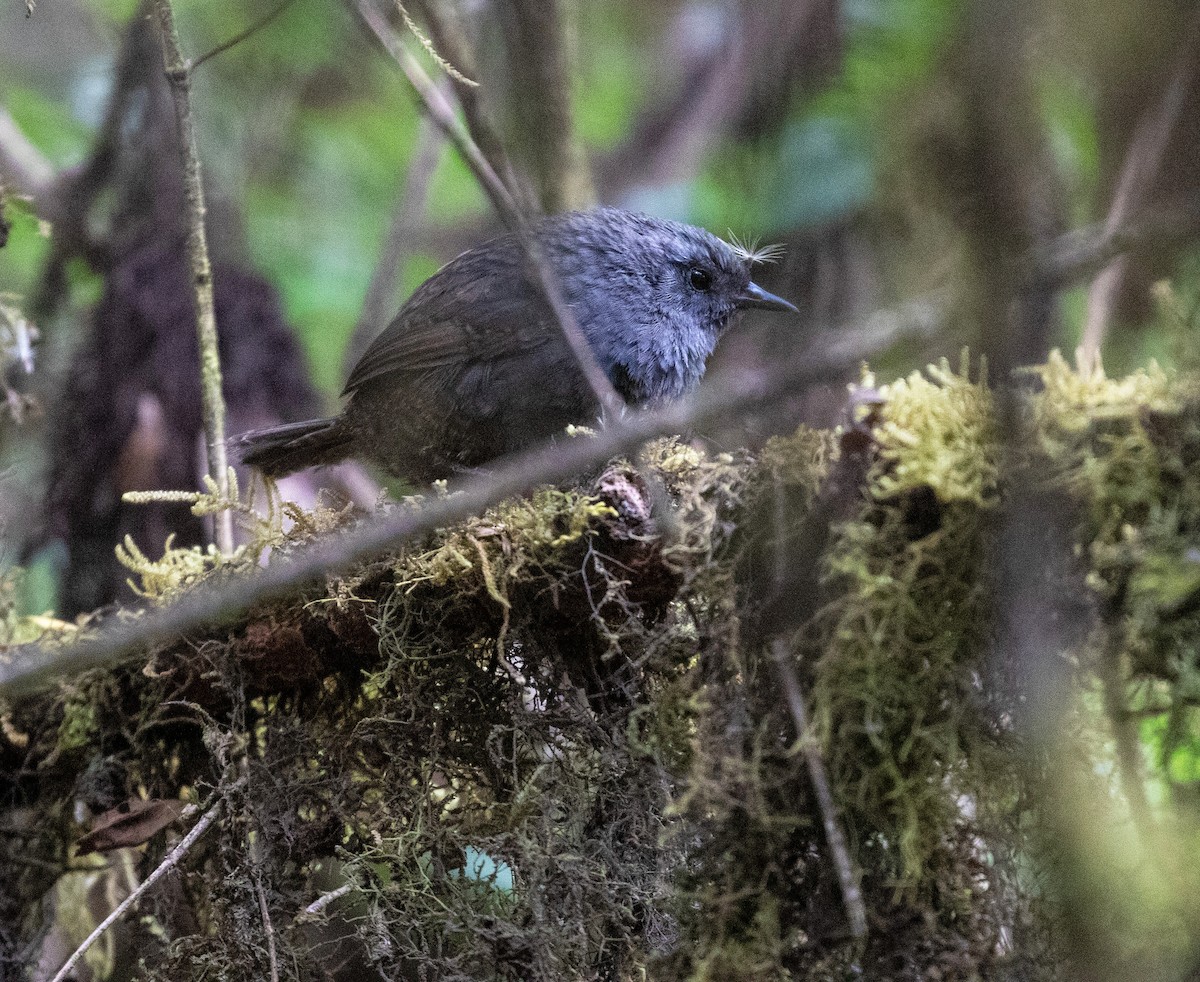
[{"x": 32, "y": 668}]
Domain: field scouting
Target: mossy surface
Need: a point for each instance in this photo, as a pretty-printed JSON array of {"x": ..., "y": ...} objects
[
  {"x": 900, "y": 651},
  {"x": 549, "y": 743}
]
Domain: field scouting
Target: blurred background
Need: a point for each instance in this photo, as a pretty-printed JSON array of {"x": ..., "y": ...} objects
[{"x": 837, "y": 128}]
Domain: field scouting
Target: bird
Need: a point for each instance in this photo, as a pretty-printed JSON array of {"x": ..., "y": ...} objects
[{"x": 475, "y": 366}]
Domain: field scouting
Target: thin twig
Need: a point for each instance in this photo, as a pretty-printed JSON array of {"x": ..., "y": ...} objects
[
  {"x": 28, "y": 668},
  {"x": 212, "y": 397},
  {"x": 237, "y": 39},
  {"x": 803, "y": 553},
  {"x": 611, "y": 403},
  {"x": 852, "y": 898},
  {"x": 323, "y": 901},
  {"x": 450, "y": 38},
  {"x": 1146, "y": 152},
  {"x": 268, "y": 927},
  {"x": 172, "y": 860},
  {"x": 442, "y": 113}
]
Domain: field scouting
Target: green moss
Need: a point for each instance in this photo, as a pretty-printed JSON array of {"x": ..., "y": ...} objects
[
  {"x": 569, "y": 756},
  {"x": 1128, "y": 450},
  {"x": 895, "y": 684}
]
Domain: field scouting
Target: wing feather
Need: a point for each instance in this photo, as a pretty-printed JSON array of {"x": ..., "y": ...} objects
[{"x": 476, "y": 309}]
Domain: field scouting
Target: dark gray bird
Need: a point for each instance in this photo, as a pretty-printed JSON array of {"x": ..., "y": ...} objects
[{"x": 475, "y": 366}]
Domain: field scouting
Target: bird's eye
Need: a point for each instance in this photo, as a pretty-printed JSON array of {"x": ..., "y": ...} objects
[{"x": 700, "y": 279}]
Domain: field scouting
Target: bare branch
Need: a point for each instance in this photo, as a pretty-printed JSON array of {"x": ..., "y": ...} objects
[
  {"x": 212, "y": 397},
  {"x": 238, "y": 38},
  {"x": 856, "y": 910},
  {"x": 450, "y": 38},
  {"x": 442, "y": 114},
  {"x": 318, "y": 906},
  {"x": 268, "y": 927},
  {"x": 610, "y": 400},
  {"x": 172, "y": 860}
]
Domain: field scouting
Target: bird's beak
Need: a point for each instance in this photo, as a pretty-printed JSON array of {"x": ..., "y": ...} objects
[{"x": 755, "y": 296}]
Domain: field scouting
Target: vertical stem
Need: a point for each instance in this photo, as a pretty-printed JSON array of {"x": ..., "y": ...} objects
[
  {"x": 212, "y": 399},
  {"x": 537, "y": 38}
]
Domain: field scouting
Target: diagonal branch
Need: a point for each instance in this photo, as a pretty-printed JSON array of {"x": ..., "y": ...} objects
[
  {"x": 241, "y": 36},
  {"x": 172, "y": 860},
  {"x": 1138, "y": 175},
  {"x": 26, "y": 669},
  {"x": 852, "y": 899},
  {"x": 450, "y": 38},
  {"x": 1086, "y": 251},
  {"x": 438, "y": 108}
]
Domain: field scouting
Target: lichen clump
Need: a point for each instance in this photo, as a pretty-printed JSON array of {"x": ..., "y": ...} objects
[
  {"x": 1128, "y": 450},
  {"x": 898, "y": 657}
]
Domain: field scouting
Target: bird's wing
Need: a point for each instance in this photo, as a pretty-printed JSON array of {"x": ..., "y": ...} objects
[{"x": 478, "y": 309}]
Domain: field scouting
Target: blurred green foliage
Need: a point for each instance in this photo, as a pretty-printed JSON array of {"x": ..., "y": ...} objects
[{"x": 307, "y": 129}]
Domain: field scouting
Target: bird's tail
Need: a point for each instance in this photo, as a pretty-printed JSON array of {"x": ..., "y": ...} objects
[{"x": 279, "y": 450}]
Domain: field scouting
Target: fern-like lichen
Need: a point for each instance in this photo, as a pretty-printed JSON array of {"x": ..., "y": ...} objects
[{"x": 278, "y": 525}]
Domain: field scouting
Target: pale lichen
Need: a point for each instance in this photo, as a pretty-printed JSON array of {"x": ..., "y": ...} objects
[
  {"x": 900, "y": 641},
  {"x": 277, "y": 525}
]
